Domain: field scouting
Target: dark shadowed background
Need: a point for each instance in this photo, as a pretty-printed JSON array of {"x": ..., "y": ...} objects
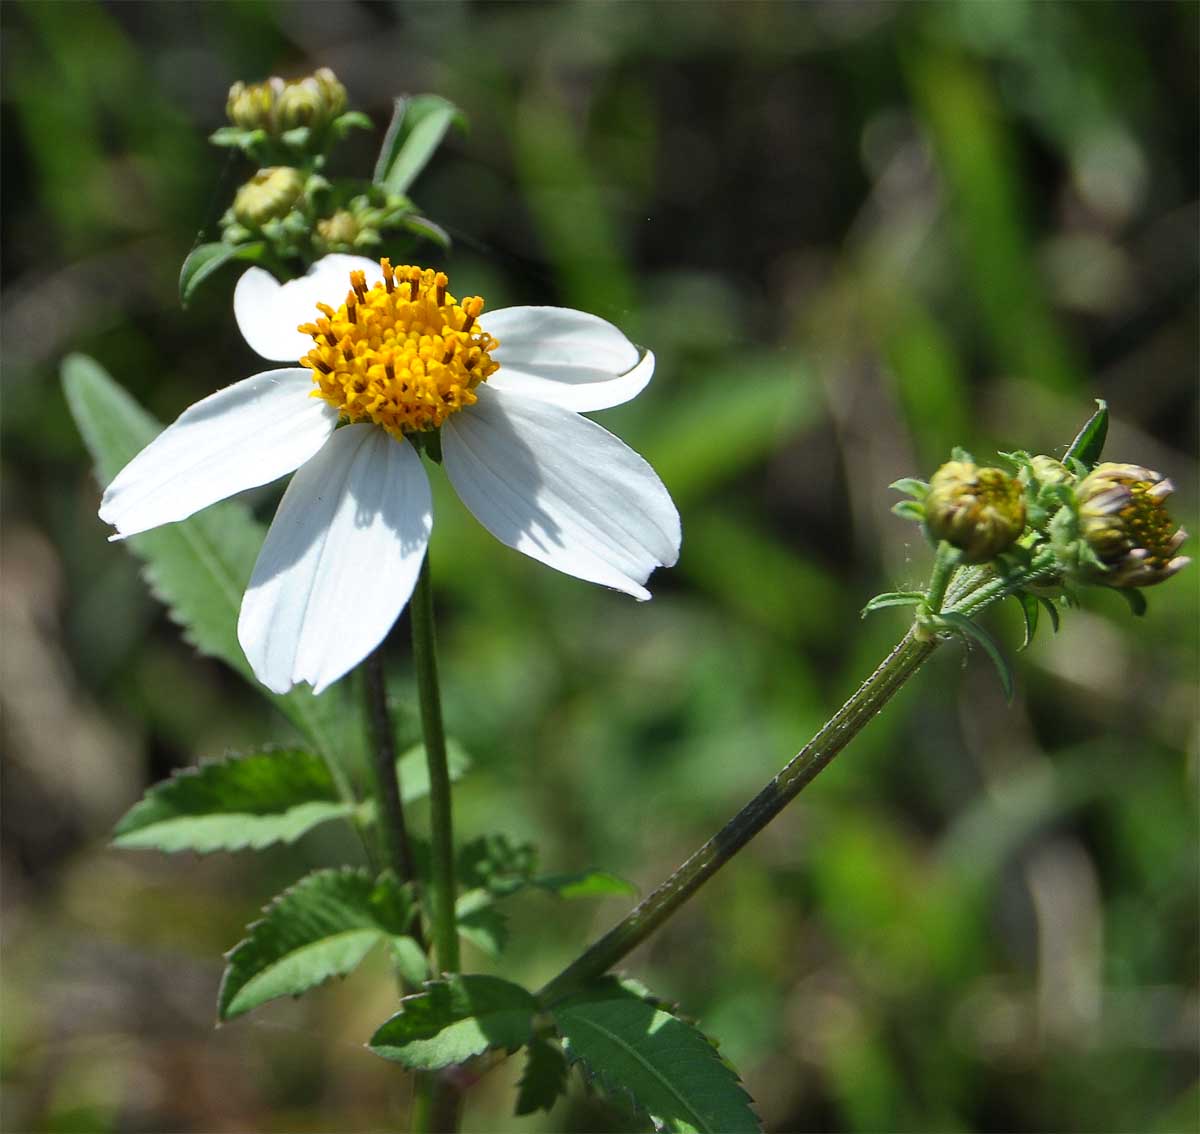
[{"x": 854, "y": 235}]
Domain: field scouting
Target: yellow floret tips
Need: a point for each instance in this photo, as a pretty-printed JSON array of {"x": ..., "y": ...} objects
[{"x": 404, "y": 354}]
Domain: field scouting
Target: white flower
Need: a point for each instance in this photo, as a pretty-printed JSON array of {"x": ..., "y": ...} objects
[{"x": 399, "y": 356}]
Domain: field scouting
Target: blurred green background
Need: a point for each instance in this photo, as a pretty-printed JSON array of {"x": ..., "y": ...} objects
[{"x": 854, "y": 234}]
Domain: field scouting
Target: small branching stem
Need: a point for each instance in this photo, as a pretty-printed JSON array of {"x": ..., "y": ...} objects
[{"x": 977, "y": 589}]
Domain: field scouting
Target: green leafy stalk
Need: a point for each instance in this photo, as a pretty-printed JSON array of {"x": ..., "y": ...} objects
[{"x": 445, "y": 929}]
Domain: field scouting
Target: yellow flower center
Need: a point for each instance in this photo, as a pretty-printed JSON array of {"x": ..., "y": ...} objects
[{"x": 404, "y": 354}]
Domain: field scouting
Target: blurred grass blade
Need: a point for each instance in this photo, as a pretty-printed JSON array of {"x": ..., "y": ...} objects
[
  {"x": 419, "y": 123},
  {"x": 198, "y": 567}
]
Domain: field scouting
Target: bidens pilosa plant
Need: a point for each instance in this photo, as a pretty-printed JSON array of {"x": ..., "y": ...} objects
[{"x": 386, "y": 376}]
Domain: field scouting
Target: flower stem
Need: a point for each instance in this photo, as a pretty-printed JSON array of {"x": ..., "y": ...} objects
[
  {"x": 445, "y": 928},
  {"x": 870, "y": 697},
  {"x": 392, "y": 828}
]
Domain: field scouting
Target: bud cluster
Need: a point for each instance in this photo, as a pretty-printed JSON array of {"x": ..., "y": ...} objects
[{"x": 1107, "y": 525}]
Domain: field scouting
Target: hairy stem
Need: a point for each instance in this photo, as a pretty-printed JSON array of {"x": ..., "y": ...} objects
[
  {"x": 870, "y": 697},
  {"x": 392, "y": 828}
]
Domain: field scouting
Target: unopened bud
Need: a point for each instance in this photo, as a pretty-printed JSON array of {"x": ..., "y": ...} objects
[
  {"x": 981, "y": 511},
  {"x": 341, "y": 228},
  {"x": 269, "y": 194},
  {"x": 1124, "y": 521},
  {"x": 1047, "y": 470},
  {"x": 251, "y": 105},
  {"x": 313, "y": 101}
]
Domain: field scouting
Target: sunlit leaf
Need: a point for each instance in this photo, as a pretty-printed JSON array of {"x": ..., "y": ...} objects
[
  {"x": 454, "y": 1019},
  {"x": 419, "y": 123},
  {"x": 241, "y": 801},
  {"x": 637, "y": 1051},
  {"x": 320, "y": 928},
  {"x": 205, "y": 259},
  {"x": 1089, "y": 442}
]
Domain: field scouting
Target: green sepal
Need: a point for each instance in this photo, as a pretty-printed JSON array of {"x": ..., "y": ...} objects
[
  {"x": 909, "y": 510},
  {"x": 455, "y": 1019},
  {"x": 971, "y": 629},
  {"x": 422, "y": 226},
  {"x": 235, "y": 136},
  {"x": 1135, "y": 598},
  {"x": 1089, "y": 442},
  {"x": 418, "y": 125},
  {"x": 351, "y": 120},
  {"x": 204, "y": 260},
  {"x": 544, "y": 1078},
  {"x": 1051, "y": 610},
  {"x": 893, "y": 598},
  {"x": 958, "y": 453},
  {"x": 241, "y": 801},
  {"x": 321, "y": 927},
  {"x": 911, "y": 486},
  {"x": 1029, "y": 611},
  {"x": 637, "y": 1051}
]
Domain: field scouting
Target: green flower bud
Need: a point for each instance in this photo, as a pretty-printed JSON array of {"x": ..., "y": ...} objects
[
  {"x": 1123, "y": 520},
  {"x": 313, "y": 101},
  {"x": 268, "y": 195},
  {"x": 341, "y": 228},
  {"x": 1047, "y": 470},
  {"x": 981, "y": 511},
  {"x": 251, "y": 105}
]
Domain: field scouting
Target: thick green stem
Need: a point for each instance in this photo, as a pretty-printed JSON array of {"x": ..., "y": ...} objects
[
  {"x": 870, "y": 697},
  {"x": 392, "y": 829},
  {"x": 445, "y": 928}
]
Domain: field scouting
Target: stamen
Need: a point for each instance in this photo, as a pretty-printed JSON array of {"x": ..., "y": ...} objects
[
  {"x": 358, "y": 281},
  {"x": 442, "y": 281},
  {"x": 389, "y": 278}
]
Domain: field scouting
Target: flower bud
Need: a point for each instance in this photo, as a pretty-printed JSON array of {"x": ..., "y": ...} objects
[
  {"x": 251, "y": 105},
  {"x": 268, "y": 195},
  {"x": 1123, "y": 519},
  {"x": 313, "y": 101},
  {"x": 1047, "y": 470},
  {"x": 981, "y": 511},
  {"x": 341, "y": 228}
]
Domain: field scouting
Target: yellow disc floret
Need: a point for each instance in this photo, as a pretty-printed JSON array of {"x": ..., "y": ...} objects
[{"x": 404, "y": 354}]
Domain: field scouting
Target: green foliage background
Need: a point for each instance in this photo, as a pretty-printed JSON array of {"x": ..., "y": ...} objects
[{"x": 854, "y": 235}]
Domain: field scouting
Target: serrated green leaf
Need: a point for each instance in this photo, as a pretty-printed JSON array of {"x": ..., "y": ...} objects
[
  {"x": 669, "y": 1070},
  {"x": 198, "y": 567},
  {"x": 971, "y": 629},
  {"x": 585, "y": 884},
  {"x": 1029, "y": 611},
  {"x": 544, "y": 1078},
  {"x": 893, "y": 598},
  {"x": 205, "y": 259},
  {"x": 1089, "y": 443},
  {"x": 419, "y": 123},
  {"x": 455, "y": 1019},
  {"x": 1136, "y": 600},
  {"x": 321, "y": 927},
  {"x": 250, "y": 800},
  {"x": 410, "y": 960},
  {"x": 496, "y": 863},
  {"x": 480, "y": 923}
]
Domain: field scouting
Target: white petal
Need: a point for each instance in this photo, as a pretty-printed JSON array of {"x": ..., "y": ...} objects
[
  {"x": 564, "y": 357},
  {"x": 269, "y": 312},
  {"x": 561, "y": 489},
  {"x": 247, "y": 434},
  {"x": 339, "y": 562}
]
